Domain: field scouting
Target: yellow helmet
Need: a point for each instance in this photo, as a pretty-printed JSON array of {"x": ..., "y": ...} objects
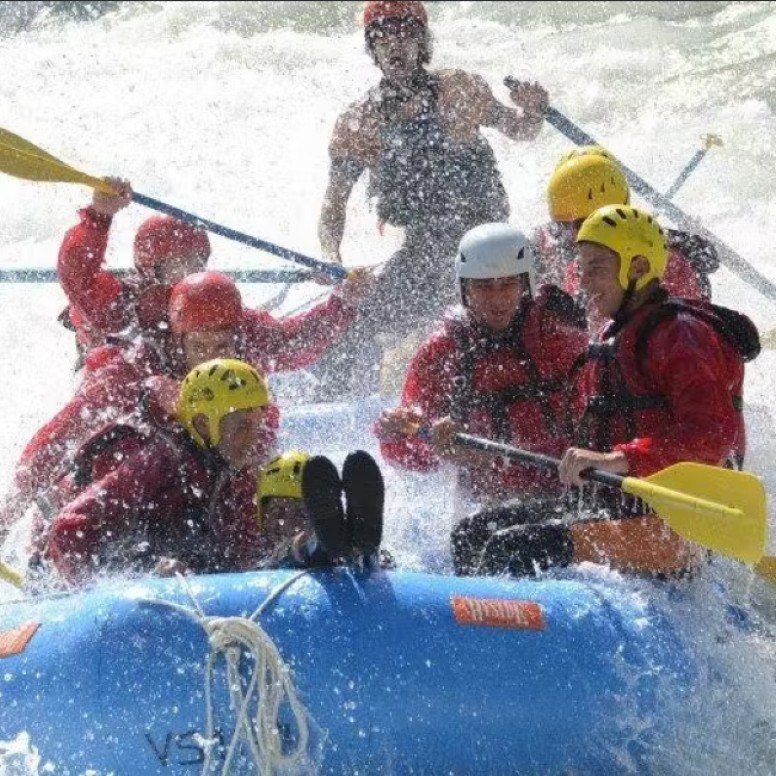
[
  {"x": 582, "y": 184},
  {"x": 629, "y": 232},
  {"x": 594, "y": 150},
  {"x": 217, "y": 388},
  {"x": 280, "y": 478}
]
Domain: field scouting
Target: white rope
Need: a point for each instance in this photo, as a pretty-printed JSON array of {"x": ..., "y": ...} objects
[{"x": 257, "y": 702}]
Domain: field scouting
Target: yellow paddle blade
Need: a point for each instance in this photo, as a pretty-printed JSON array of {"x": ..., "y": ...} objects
[
  {"x": 721, "y": 509},
  {"x": 22, "y": 159},
  {"x": 767, "y": 568},
  {"x": 12, "y": 576},
  {"x": 768, "y": 340}
]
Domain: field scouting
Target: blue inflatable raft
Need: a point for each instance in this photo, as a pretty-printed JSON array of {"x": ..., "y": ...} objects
[{"x": 399, "y": 673}]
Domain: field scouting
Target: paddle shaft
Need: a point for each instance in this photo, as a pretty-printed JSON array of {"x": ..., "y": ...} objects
[
  {"x": 334, "y": 271},
  {"x": 689, "y": 168},
  {"x": 279, "y": 276},
  {"x": 544, "y": 461},
  {"x": 630, "y": 485},
  {"x": 728, "y": 256}
]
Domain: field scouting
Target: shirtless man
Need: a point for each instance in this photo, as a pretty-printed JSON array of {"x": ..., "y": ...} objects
[{"x": 431, "y": 172}]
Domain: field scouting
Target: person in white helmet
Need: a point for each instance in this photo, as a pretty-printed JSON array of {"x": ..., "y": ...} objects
[
  {"x": 497, "y": 368},
  {"x": 418, "y": 135}
]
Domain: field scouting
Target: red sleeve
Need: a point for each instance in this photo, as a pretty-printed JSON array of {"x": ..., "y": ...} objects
[
  {"x": 285, "y": 344},
  {"x": 680, "y": 278},
  {"x": 105, "y": 508},
  {"x": 427, "y": 387},
  {"x": 690, "y": 368},
  {"x": 106, "y": 393},
  {"x": 94, "y": 293}
]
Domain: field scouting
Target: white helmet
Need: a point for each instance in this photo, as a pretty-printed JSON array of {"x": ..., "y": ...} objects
[{"x": 494, "y": 251}]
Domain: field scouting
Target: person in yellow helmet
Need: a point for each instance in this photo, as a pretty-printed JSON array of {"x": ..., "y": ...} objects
[
  {"x": 584, "y": 180},
  {"x": 174, "y": 496},
  {"x": 663, "y": 383},
  {"x": 300, "y": 512}
]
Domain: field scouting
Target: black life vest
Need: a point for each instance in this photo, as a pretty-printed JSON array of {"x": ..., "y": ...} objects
[
  {"x": 699, "y": 252},
  {"x": 420, "y": 175}
]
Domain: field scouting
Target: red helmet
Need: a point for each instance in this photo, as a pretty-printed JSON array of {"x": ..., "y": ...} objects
[
  {"x": 204, "y": 302},
  {"x": 162, "y": 238},
  {"x": 378, "y": 11}
]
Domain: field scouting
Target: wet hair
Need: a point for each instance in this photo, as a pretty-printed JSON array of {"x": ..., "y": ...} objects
[{"x": 426, "y": 40}]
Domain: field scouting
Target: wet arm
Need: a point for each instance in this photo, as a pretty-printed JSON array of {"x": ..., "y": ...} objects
[
  {"x": 343, "y": 174},
  {"x": 524, "y": 124}
]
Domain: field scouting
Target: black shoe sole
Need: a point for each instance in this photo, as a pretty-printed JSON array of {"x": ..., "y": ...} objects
[
  {"x": 322, "y": 495},
  {"x": 364, "y": 489}
]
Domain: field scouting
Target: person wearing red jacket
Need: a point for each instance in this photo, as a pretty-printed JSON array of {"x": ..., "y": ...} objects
[
  {"x": 207, "y": 320},
  {"x": 663, "y": 384},
  {"x": 185, "y": 496},
  {"x": 108, "y": 391},
  {"x": 101, "y": 303},
  {"x": 498, "y": 369},
  {"x": 585, "y": 180}
]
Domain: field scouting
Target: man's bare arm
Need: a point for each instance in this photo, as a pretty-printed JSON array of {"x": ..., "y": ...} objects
[{"x": 343, "y": 174}]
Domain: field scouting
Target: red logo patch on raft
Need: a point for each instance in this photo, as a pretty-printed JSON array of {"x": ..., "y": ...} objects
[
  {"x": 13, "y": 642},
  {"x": 497, "y": 613}
]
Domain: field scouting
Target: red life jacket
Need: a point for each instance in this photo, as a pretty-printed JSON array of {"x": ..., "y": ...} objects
[
  {"x": 498, "y": 375},
  {"x": 618, "y": 412},
  {"x": 195, "y": 525}
]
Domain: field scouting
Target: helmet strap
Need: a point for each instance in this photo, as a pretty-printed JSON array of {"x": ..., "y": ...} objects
[{"x": 621, "y": 316}]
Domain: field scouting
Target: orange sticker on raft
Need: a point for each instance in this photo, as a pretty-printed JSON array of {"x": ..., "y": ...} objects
[
  {"x": 14, "y": 641},
  {"x": 497, "y": 613}
]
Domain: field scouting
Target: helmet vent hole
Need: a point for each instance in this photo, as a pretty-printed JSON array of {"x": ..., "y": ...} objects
[
  {"x": 621, "y": 213},
  {"x": 609, "y": 221}
]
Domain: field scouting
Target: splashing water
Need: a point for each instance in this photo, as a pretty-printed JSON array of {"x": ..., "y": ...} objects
[{"x": 225, "y": 109}]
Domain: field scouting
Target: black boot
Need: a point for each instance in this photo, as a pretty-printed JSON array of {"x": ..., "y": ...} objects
[
  {"x": 524, "y": 550},
  {"x": 364, "y": 489},
  {"x": 322, "y": 495}
]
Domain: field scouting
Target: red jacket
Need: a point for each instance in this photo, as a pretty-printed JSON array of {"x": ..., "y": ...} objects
[
  {"x": 164, "y": 497},
  {"x": 272, "y": 344},
  {"x": 108, "y": 392},
  {"x": 113, "y": 375},
  {"x": 675, "y": 397},
  {"x": 477, "y": 378},
  {"x": 100, "y": 302}
]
